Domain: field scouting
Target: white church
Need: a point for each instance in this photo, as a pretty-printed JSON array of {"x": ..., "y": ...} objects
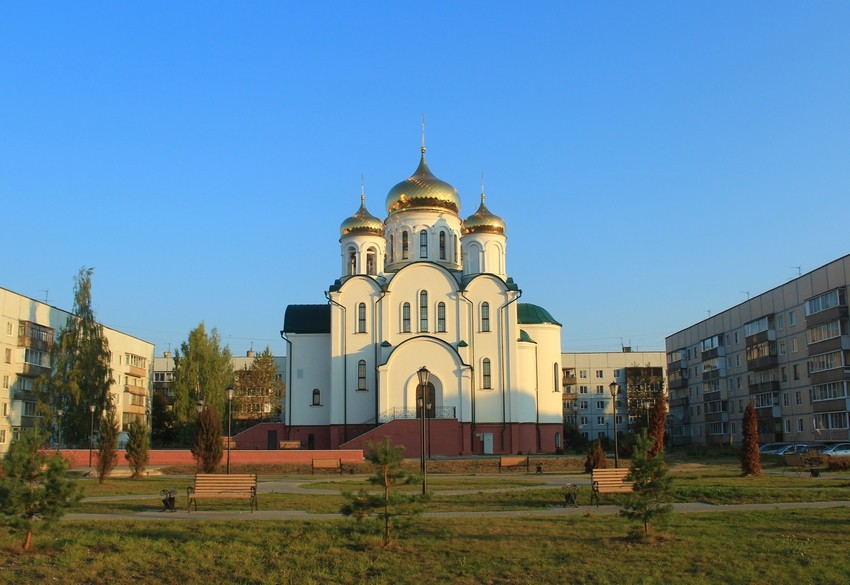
[{"x": 424, "y": 289}]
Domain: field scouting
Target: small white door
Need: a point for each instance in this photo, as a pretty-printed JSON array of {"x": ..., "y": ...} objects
[{"x": 487, "y": 440}]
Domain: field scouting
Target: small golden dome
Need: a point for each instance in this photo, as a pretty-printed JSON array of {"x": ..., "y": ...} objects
[
  {"x": 482, "y": 221},
  {"x": 423, "y": 190},
  {"x": 362, "y": 223}
]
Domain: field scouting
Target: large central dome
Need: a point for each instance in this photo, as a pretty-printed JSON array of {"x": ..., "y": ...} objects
[{"x": 423, "y": 190}]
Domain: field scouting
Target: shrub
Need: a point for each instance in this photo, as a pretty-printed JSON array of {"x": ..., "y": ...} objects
[
  {"x": 107, "y": 443},
  {"x": 838, "y": 463},
  {"x": 138, "y": 448},
  {"x": 596, "y": 458}
]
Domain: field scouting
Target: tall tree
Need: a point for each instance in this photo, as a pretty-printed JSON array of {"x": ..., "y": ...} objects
[
  {"x": 658, "y": 424},
  {"x": 259, "y": 389},
  {"x": 207, "y": 448},
  {"x": 202, "y": 371},
  {"x": 107, "y": 442},
  {"x": 652, "y": 485},
  {"x": 34, "y": 485},
  {"x": 643, "y": 384},
  {"x": 750, "y": 457},
  {"x": 138, "y": 448},
  {"x": 81, "y": 373}
]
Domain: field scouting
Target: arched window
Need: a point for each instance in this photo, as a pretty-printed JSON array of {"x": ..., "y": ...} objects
[
  {"x": 404, "y": 245},
  {"x": 361, "y": 318},
  {"x": 352, "y": 262},
  {"x": 442, "y": 245},
  {"x": 486, "y": 380},
  {"x": 361, "y": 375},
  {"x": 485, "y": 316},
  {"x": 317, "y": 397},
  {"x": 405, "y": 318},
  {"x": 392, "y": 247},
  {"x": 556, "y": 378},
  {"x": 423, "y": 244},
  {"x": 456, "y": 256},
  {"x": 441, "y": 317},
  {"x": 371, "y": 266},
  {"x": 423, "y": 311}
]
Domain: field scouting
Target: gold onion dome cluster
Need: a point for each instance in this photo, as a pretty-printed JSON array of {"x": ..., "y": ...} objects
[
  {"x": 483, "y": 221},
  {"x": 423, "y": 190},
  {"x": 362, "y": 223}
]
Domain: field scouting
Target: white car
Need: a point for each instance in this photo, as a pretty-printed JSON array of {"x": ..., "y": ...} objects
[
  {"x": 837, "y": 450},
  {"x": 772, "y": 448}
]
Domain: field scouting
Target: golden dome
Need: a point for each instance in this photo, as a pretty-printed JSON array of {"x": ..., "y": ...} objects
[
  {"x": 423, "y": 190},
  {"x": 482, "y": 221},
  {"x": 362, "y": 223}
]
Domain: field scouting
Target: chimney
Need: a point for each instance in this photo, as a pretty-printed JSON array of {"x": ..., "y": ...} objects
[
  {"x": 627, "y": 349},
  {"x": 249, "y": 353},
  {"x": 166, "y": 354}
]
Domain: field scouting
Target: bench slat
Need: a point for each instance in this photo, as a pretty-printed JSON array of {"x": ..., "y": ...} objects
[
  {"x": 216, "y": 486},
  {"x": 609, "y": 481}
]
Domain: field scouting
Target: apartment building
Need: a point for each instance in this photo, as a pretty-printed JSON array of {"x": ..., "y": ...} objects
[
  {"x": 588, "y": 403},
  {"x": 786, "y": 350},
  {"x": 28, "y": 329}
]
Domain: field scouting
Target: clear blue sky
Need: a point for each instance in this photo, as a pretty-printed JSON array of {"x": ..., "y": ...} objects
[{"x": 201, "y": 155}]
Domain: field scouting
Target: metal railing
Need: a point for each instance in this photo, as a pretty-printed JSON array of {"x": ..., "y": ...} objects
[{"x": 395, "y": 413}]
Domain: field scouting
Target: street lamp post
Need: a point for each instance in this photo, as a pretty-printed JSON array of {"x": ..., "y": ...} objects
[
  {"x": 229, "y": 393},
  {"x": 58, "y": 429},
  {"x": 91, "y": 433},
  {"x": 614, "y": 388},
  {"x": 422, "y": 402}
]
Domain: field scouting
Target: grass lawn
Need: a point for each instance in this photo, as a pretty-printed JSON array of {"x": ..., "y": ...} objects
[{"x": 791, "y": 547}]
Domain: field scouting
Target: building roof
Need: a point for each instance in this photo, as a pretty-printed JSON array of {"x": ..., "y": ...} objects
[
  {"x": 528, "y": 314},
  {"x": 307, "y": 319}
]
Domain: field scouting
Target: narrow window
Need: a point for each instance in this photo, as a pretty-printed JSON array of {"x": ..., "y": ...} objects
[
  {"x": 361, "y": 318},
  {"x": 423, "y": 244},
  {"x": 361, "y": 375},
  {"x": 423, "y": 311},
  {"x": 352, "y": 262},
  {"x": 485, "y": 316},
  {"x": 441, "y": 317},
  {"x": 556, "y": 387},
  {"x": 317, "y": 397},
  {"x": 486, "y": 382},
  {"x": 392, "y": 246},
  {"x": 405, "y": 318},
  {"x": 442, "y": 245},
  {"x": 371, "y": 266},
  {"x": 404, "y": 244}
]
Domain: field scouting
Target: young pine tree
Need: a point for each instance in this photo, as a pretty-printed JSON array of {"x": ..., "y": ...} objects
[
  {"x": 34, "y": 485},
  {"x": 652, "y": 485},
  {"x": 750, "y": 457},
  {"x": 138, "y": 448},
  {"x": 207, "y": 448},
  {"x": 386, "y": 460},
  {"x": 107, "y": 442},
  {"x": 596, "y": 458}
]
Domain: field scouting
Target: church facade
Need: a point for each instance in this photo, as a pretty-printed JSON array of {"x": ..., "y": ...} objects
[{"x": 424, "y": 288}]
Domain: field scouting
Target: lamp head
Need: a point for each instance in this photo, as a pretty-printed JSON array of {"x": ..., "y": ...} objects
[
  {"x": 423, "y": 374},
  {"x": 229, "y": 391},
  {"x": 614, "y": 388}
]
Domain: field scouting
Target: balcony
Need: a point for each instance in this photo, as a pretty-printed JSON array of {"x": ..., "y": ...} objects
[
  {"x": 833, "y": 375},
  {"x": 763, "y": 363},
  {"x": 711, "y": 396},
  {"x": 715, "y": 417},
  {"x": 761, "y": 337},
  {"x": 30, "y": 343},
  {"x": 33, "y": 371},
  {"x": 568, "y": 381},
  {"x": 137, "y": 371},
  {"x": 712, "y": 375},
  {"x": 830, "y": 314},
  {"x": 136, "y": 390},
  {"x": 714, "y": 352},
  {"x": 673, "y": 366},
  {"x": 828, "y": 345},
  {"x": 761, "y": 387},
  {"x": 24, "y": 396},
  {"x": 678, "y": 383},
  {"x": 679, "y": 402}
]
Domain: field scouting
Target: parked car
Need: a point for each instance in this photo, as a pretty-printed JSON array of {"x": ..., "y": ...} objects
[
  {"x": 802, "y": 448},
  {"x": 837, "y": 450},
  {"x": 772, "y": 448}
]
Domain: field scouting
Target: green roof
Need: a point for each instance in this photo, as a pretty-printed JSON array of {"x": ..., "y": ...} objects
[
  {"x": 528, "y": 314},
  {"x": 307, "y": 319},
  {"x": 524, "y": 336}
]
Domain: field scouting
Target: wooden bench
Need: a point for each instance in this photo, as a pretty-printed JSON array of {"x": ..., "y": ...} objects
[
  {"x": 219, "y": 486},
  {"x": 609, "y": 481},
  {"x": 508, "y": 461},
  {"x": 800, "y": 462},
  {"x": 332, "y": 464},
  {"x": 290, "y": 444}
]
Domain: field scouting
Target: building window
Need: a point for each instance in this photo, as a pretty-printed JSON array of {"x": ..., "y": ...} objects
[
  {"x": 794, "y": 345},
  {"x": 392, "y": 247},
  {"x": 792, "y": 318},
  {"x": 600, "y": 404},
  {"x": 799, "y": 425},
  {"x": 404, "y": 245},
  {"x": 2, "y": 436},
  {"x": 371, "y": 265},
  {"x": 8, "y": 356},
  {"x": 599, "y": 374},
  {"x": 423, "y": 311},
  {"x": 441, "y": 317},
  {"x": 317, "y": 397},
  {"x": 798, "y": 398},
  {"x": 600, "y": 389},
  {"x": 405, "y": 318},
  {"x": 781, "y": 348},
  {"x": 787, "y": 425},
  {"x": 423, "y": 244},
  {"x": 352, "y": 262},
  {"x": 486, "y": 381},
  {"x": 600, "y": 420},
  {"x": 582, "y": 374},
  {"x": 582, "y": 389},
  {"x": 780, "y": 322},
  {"x": 442, "y": 245},
  {"x": 361, "y": 375},
  {"x": 785, "y": 400},
  {"x": 485, "y": 316},
  {"x": 556, "y": 375},
  {"x": 361, "y": 318},
  {"x": 5, "y": 382}
]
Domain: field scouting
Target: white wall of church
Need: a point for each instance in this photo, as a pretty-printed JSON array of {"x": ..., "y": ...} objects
[{"x": 310, "y": 370}]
